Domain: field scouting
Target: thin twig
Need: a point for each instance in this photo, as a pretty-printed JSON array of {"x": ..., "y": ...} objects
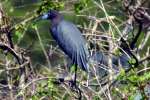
[{"x": 42, "y": 46}]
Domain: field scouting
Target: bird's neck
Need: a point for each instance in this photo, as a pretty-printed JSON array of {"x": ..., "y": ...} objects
[{"x": 57, "y": 20}]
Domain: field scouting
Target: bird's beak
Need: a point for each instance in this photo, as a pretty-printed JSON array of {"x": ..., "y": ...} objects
[{"x": 44, "y": 16}]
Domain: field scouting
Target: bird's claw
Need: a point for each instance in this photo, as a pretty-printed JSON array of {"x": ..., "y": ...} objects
[
  {"x": 59, "y": 81},
  {"x": 75, "y": 88},
  {"x": 72, "y": 84}
]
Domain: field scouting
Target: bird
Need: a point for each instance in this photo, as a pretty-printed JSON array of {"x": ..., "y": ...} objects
[{"x": 70, "y": 40}]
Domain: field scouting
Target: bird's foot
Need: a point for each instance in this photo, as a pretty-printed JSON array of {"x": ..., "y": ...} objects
[
  {"x": 72, "y": 84},
  {"x": 59, "y": 81},
  {"x": 75, "y": 88}
]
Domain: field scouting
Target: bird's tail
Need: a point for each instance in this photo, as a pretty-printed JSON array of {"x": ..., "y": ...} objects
[{"x": 101, "y": 64}]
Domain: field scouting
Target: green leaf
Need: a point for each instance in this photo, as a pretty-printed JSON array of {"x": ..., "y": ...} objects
[
  {"x": 121, "y": 74},
  {"x": 18, "y": 34},
  {"x": 132, "y": 61},
  {"x": 50, "y": 84},
  {"x": 47, "y": 5},
  {"x": 33, "y": 25},
  {"x": 145, "y": 77},
  {"x": 134, "y": 78},
  {"x": 80, "y": 5},
  {"x": 117, "y": 52},
  {"x": 96, "y": 98},
  {"x": 73, "y": 68}
]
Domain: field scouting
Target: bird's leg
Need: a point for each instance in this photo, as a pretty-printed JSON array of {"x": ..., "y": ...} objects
[
  {"x": 74, "y": 77},
  {"x": 73, "y": 83}
]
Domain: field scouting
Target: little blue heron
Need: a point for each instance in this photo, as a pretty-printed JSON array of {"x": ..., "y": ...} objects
[{"x": 69, "y": 39}]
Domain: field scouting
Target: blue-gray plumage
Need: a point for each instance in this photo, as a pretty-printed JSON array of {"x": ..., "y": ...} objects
[
  {"x": 69, "y": 39},
  {"x": 102, "y": 62}
]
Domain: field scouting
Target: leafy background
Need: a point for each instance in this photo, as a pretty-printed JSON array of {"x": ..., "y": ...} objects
[{"x": 34, "y": 36}]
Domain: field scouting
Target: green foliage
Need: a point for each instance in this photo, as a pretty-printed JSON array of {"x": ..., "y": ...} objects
[
  {"x": 18, "y": 34},
  {"x": 47, "y": 5},
  {"x": 117, "y": 52},
  {"x": 19, "y": 30},
  {"x": 73, "y": 68},
  {"x": 145, "y": 77},
  {"x": 79, "y": 6},
  {"x": 33, "y": 25},
  {"x": 45, "y": 89},
  {"x": 132, "y": 61},
  {"x": 121, "y": 74},
  {"x": 132, "y": 80},
  {"x": 21, "y": 12},
  {"x": 96, "y": 98}
]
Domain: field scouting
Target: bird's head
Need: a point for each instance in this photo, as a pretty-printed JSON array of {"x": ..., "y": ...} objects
[{"x": 51, "y": 14}]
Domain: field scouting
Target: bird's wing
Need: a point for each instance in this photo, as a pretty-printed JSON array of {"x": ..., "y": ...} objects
[{"x": 72, "y": 43}]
